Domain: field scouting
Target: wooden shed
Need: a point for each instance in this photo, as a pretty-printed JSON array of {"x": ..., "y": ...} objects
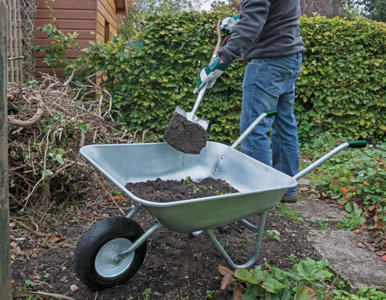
[{"x": 93, "y": 20}]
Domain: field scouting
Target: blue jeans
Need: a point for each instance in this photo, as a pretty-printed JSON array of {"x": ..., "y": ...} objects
[{"x": 270, "y": 84}]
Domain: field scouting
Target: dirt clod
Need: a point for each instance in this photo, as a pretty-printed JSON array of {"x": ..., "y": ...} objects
[{"x": 185, "y": 136}]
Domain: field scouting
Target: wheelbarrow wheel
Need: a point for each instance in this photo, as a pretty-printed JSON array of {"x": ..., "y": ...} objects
[{"x": 99, "y": 245}]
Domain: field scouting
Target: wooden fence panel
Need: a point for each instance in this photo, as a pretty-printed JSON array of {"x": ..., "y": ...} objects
[
  {"x": 5, "y": 269},
  {"x": 15, "y": 64}
]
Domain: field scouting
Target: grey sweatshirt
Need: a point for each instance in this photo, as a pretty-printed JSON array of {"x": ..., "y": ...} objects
[{"x": 266, "y": 29}]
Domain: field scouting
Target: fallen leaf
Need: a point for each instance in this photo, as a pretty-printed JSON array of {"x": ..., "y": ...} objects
[
  {"x": 238, "y": 292},
  {"x": 361, "y": 245},
  {"x": 384, "y": 258},
  {"x": 224, "y": 270},
  {"x": 13, "y": 245},
  {"x": 18, "y": 251},
  {"x": 53, "y": 238},
  {"x": 74, "y": 287},
  {"x": 383, "y": 245},
  {"x": 226, "y": 281},
  {"x": 64, "y": 278},
  {"x": 380, "y": 253},
  {"x": 35, "y": 253},
  {"x": 115, "y": 198},
  {"x": 276, "y": 232},
  {"x": 358, "y": 231}
]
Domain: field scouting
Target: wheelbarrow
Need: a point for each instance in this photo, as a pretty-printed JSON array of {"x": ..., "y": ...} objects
[{"x": 111, "y": 251}]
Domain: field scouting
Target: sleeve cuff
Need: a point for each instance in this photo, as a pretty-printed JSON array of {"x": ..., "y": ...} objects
[{"x": 227, "y": 58}]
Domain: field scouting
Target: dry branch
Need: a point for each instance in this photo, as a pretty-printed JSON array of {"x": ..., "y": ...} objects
[{"x": 47, "y": 125}]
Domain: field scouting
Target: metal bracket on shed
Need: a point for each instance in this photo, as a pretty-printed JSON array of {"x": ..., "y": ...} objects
[{"x": 15, "y": 58}]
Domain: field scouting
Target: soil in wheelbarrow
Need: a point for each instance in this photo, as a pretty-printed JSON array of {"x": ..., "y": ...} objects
[{"x": 173, "y": 190}]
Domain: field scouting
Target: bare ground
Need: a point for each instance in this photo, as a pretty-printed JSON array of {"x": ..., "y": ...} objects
[{"x": 176, "y": 266}]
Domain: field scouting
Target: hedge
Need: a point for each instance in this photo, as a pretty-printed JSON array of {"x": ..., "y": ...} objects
[{"x": 340, "y": 89}]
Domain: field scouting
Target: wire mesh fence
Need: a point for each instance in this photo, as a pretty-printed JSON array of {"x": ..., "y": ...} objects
[
  {"x": 21, "y": 61},
  {"x": 15, "y": 62}
]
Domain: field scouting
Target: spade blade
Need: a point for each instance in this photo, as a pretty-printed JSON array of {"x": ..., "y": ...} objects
[{"x": 186, "y": 132}]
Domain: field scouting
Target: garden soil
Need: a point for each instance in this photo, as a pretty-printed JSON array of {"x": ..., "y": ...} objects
[
  {"x": 185, "y": 136},
  {"x": 173, "y": 190},
  {"x": 177, "y": 266}
]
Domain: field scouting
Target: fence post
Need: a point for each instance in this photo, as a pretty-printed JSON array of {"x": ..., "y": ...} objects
[{"x": 5, "y": 268}]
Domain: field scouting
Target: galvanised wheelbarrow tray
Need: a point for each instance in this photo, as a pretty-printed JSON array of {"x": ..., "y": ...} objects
[{"x": 112, "y": 250}]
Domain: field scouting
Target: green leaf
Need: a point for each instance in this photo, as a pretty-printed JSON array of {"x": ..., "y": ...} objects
[
  {"x": 348, "y": 207},
  {"x": 273, "y": 286},
  {"x": 311, "y": 271},
  {"x": 84, "y": 127},
  {"x": 248, "y": 276},
  {"x": 305, "y": 293},
  {"x": 46, "y": 173}
]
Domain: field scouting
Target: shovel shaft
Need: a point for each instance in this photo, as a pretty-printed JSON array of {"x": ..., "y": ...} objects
[
  {"x": 198, "y": 100},
  {"x": 203, "y": 90}
]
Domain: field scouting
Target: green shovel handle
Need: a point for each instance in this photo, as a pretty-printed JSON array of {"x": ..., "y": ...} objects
[
  {"x": 357, "y": 144},
  {"x": 271, "y": 113}
]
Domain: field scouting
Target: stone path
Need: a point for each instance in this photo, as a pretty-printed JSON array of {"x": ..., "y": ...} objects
[{"x": 357, "y": 266}]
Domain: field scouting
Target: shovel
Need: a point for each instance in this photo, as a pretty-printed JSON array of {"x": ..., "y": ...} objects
[{"x": 185, "y": 131}]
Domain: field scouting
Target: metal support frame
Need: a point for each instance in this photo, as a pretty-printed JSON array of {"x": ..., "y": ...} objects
[
  {"x": 133, "y": 211},
  {"x": 258, "y": 230},
  {"x": 142, "y": 238},
  {"x": 138, "y": 242}
]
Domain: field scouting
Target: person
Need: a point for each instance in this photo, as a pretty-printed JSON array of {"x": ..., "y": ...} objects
[{"x": 266, "y": 34}]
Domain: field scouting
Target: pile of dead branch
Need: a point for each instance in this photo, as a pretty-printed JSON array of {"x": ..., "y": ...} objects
[{"x": 48, "y": 123}]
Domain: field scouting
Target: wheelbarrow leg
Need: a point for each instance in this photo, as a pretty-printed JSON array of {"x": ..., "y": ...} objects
[
  {"x": 138, "y": 242},
  {"x": 133, "y": 211},
  {"x": 249, "y": 225},
  {"x": 259, "y": 237}
]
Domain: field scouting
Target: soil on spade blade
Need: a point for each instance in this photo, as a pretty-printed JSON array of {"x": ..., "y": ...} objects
[
  {"x": 184, "y": 135},
  {"x": 176, "y": 265}
]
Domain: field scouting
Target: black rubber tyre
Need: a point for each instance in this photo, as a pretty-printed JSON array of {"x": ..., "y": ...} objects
[{"x": 96, "y": 240}]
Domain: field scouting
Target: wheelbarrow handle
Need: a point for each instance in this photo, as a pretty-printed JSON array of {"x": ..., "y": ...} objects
[
  {"x": 357, "y": 144},
  {"x": 354, "y": 144},
  {"x": 269, "y": 113}
]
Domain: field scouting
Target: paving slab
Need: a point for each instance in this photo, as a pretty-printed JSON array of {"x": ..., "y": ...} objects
[
  {"x": 358, "y": 267},
  {"x": 303, "y": 182},
  {"x": 315, "y": 209}
]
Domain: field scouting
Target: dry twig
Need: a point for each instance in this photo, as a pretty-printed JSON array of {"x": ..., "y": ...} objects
[{"x": 52, "y": 123}]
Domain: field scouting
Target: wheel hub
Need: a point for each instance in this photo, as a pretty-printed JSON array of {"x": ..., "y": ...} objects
[{"x": 106, "y": 264}]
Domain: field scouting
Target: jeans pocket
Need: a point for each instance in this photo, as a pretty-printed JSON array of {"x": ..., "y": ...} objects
[
  {"x": 278, "y": 73},
  {"x": 276, "y": 79}
]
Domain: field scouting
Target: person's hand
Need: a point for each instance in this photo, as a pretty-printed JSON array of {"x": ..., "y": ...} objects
[
  {"x": 209, "y": 74},
  {"x": 228, "y": 24}
]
